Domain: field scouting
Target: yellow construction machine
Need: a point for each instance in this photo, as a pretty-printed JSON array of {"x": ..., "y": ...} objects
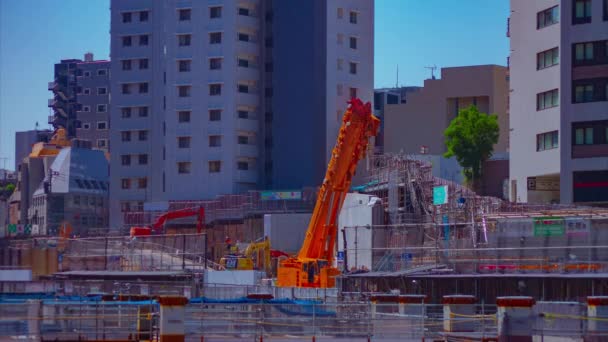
[{"x": 255, "y": 257}]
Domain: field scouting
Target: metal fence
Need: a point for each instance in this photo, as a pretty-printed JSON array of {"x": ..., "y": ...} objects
[{"x": 246, "y": 321}]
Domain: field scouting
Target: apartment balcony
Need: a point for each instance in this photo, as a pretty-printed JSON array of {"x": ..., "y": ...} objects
[
  {"x": 589, "y": 151},
  {"x": 250, "y": 22},
  {"x": 53, "y": 103},
  {"x": 248, "y": 73},
  {"x": 251, "y": 47},
  {"x": 249, "y": 151},
  {"x": 246, "y": 176},
  {"x": 248, "y": 99},
  {"x": 52, "y": 85},
  {"x": 250, "y": 125}
]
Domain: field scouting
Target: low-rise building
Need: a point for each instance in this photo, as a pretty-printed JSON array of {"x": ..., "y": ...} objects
[{"x": 73, "y": 195}]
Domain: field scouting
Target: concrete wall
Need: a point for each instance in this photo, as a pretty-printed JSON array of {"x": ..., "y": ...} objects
[
  {"x": 427, "y": 113},
  {"x": 286, "y": 231}
]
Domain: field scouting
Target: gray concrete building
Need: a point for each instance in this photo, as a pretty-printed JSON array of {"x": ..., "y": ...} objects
[
  {"x": 25, "y": 140},
  {"x": 211, "y": 99},
  {"x": 558, "y": 101},
  {"x": 81, "y": 97}
]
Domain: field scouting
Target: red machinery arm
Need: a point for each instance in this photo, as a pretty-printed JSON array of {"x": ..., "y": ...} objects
[
  {"x": 171, "y": 215},
  {"x": 358, "y": 124}
]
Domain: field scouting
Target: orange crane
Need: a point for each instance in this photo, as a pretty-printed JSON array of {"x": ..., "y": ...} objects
[
  {"x": 171, "y": 215},
  {"x": 313, "y": 266}
]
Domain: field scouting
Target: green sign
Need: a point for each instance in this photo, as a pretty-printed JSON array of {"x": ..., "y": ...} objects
[
  {"x": 440, "y": 195},
  {"x": 549, "y": 226}
]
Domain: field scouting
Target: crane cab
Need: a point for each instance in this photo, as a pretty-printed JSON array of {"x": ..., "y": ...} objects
[{"x": 306, "y": 273}]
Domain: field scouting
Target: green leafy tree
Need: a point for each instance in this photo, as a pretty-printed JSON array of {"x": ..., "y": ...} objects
[
  {"x": 9, "y": 188},
  {"x": 470, "y": 138}
]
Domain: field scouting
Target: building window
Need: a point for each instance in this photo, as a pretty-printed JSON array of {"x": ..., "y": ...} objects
[
  {"x": 126, "y": 112},
  {"x": 547, "y": 99},
  {"x": 126, "y": 17},
  {"x": 243, "y": 37},
  {"x": 215, "y": 89},
  {"x": 142, "y": 183},
  {"x": 183, "y": 142},
  {"x": 87, "y": 74},
  {"x": 102, "y": 91},
  {"x": 215, "y": 140},
  {"x": 143, "y": 40},
  {"x": 143, "y": 159},
  {"x": 143, "y": 112},
  {"x": 86, "y": 109},
  {"x": 183, "y": 91},
  {"x": 102, "y": 126},
  {"x": 126, "y": 64},
  {"x": 547, "y": 141},
  {"x": 242, "y": 139},
  {"x": 143, "y": 63},
  {"x": 102, "y": 72},
  {"x": 125, "y": 88},
  {"x": 125, "y": 183},
  {"x": 215, "y": 38},
  {"x": 184, "y": 65},
  {"x": 143, "y": 88},
  {"x": 243, "y": 88},
  {"x": 185, "y": 14},
  {"x": 583, "y": 93},
  {"x": 215, "y": 166},
  {"x": 102, "y": 143},
  {"x": 143, "y": 16},
  {"x": 242, "y": 114},
  {"x": 353, "y": 43},
  {"x": 582, "y": 12},
  {"x": 353, "y": 68},
  {"x": 143, "y": 135},
  {"x": 583, "y": 52},
  {"x": 242, "y": 165},
  {"x": 86, "y": 91},
  {"x": 340, "y": 12},
  {"x": 353, "y": 17},
  {"x": 125, "y": 160},
  {"x": 184, "y": 39},
  {"x": 183, "y": 116},
  {"x": 244, "y": 11},
  {"x": 184, "y": 167},
  {"x": 125, "y": 135},
  {"x": 215, "y": 12},
  {"x": 243, "y": 63},
  {"x": 215, "y": 63},
  {"x": 353, "y": 93},
  {"x": 215, "y": 114},
  {"x": 86, "y": 125},
  {"x": 101, "y": 108},
  {"x": 583, "y": 136},
  {"x": 126, "y": 41},
  {"x": 547, "y": 58},
  {"x": 606, "y": 10},
  {"x": 547, "y": 17}
]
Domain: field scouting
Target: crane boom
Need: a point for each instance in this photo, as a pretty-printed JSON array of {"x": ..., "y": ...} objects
[{"x": 312, "y": 266}]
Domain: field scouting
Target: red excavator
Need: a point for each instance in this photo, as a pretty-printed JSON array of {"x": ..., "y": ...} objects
[{"x": 157, "y": 227}]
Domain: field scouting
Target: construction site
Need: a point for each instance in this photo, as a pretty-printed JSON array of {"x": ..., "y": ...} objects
[{"x": 401, "y": 256}]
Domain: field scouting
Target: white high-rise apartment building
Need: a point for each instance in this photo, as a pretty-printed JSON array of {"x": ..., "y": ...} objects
[
  {"x": 209, "y": 97},
  {"x": 559, "y": 101}
]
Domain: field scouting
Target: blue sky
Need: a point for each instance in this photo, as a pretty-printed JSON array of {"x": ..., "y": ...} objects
[{"x": 35, "y": 34}]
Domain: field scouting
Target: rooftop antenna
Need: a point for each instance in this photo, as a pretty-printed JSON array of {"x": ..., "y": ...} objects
[
  {"x": 432, "y": 68},
  {"x": 397, "y": 84}
]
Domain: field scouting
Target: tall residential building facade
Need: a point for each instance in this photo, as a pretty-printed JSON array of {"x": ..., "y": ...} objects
[
  {"x": 559, "y": 101},
  {"x": 81, "y": 97},
  {"x": 209, "y": 98}
]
